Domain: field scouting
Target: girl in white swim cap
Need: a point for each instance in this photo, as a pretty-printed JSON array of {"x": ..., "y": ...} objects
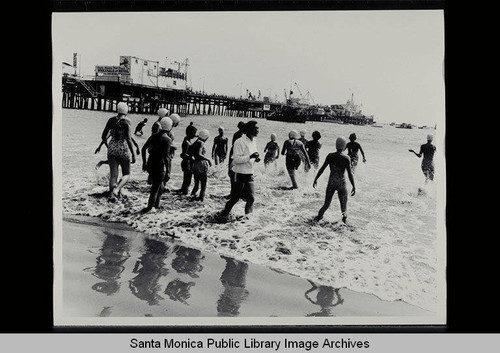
[{"x": 120, "y": 150}]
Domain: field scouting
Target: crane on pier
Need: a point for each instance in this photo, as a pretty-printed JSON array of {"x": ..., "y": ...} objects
[
  {"x": 304, "y": 98},
  {"x": 310, "y": 97},
  {"x": 307, "y": 98}
]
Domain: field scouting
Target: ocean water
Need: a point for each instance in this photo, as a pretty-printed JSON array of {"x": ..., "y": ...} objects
[{"x": 388, "y": 248}]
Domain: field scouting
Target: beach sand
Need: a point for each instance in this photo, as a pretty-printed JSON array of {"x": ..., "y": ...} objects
[{"x": 112, "y": 270}]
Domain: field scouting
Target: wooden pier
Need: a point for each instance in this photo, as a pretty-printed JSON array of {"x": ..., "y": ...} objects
[{"x": 105, "y": 95}]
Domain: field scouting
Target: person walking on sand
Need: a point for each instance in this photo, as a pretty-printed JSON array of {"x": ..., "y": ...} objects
[
  {"x": 162, "y": 112},
  {"x": 427, "y": 150},
  {"x": 118, "y": 150},
  {"x": 338, "y": 163},
  {"x": 244, "y": 156},
  {"x": 292, "y": 148},
  {"x": 352, "y": 151},
  {"x": 200, "y": 165},
  {"x": 157, "y": 164},
  {"x": 138, "y": 128},
  {"x": 272, "y": 152},
  {"x": 187, "y": 159},
  {"x": 312, "y": 148},
  {"x": 219, "y": 148}
]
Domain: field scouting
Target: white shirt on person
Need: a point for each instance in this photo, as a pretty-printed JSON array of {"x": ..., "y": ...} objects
[{"x": 242, "y": 149}]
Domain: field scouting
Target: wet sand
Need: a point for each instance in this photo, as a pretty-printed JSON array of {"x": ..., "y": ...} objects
[{"x": 111, "y": 270}]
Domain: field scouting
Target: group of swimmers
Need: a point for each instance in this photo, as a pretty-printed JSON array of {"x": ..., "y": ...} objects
[{"x": 158, "y": 151}]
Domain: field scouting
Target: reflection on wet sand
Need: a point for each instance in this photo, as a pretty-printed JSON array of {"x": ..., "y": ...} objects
[
  {"x": 149, "y": 268},
  {"x": 178, "y": 290},
  {"x": 233, "y": 279},
  {"x": 326, "y": 298},
  {"x": 113, "y": 253},
  {"x": 187, "y": 261},
  {"x": 106, "y": 311}
]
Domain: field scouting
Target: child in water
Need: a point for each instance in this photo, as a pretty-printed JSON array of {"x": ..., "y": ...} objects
[
  {"x": 219, "y": 149},
  {"x": 187, "y": 160},
  {"x": 427, "y": 150},
  {"x": 312, "y": 148},
  {"x": 272, "y": 151},
  {"x": 338, "y": 163},
  {"x": 352, "y": 151},
  {"x": 302, "y": 138},
  {"x": 157, "y": 165},
  {"x": 138, "y": 128},
  {"x": 200, "y": 165},
  {"x": 292, "y": 148}
]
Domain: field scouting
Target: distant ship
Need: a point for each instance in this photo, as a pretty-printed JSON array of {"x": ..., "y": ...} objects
[
  {"x": 295, "y": 110},
  {"x": 404, "y": 126},
  {"x": 289, "y": 114},
  {"x": 349, "y": 113}
]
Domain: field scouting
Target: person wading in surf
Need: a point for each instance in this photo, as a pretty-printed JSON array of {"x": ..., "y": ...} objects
[
  {"x": 427, "y": 150},
  {"x": 157, "y": 165},
  {"x": 338, "y": 163},
  {"x": 119, "y": 147},
  {"x": 219, "y": 148},
  {"x": 352, "y": 151},
  {"x": 244, "y": 156},
  {"x": 293, "y": 148}
]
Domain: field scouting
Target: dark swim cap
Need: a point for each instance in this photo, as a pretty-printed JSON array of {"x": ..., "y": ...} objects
[
  {"x": 316, "y": 135},
  {"x": 352, "y": 136}
]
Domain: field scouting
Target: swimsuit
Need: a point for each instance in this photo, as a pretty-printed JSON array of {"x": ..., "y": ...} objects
[
  {"x": 313, "y": 152},
  {"x": 200, "y": 165},
  {"x": 428, "y": 162},
  {"x": 156, "y": 163},
  {"x": 219, "y": 146},
  {"x": 292, "y": 160},
  {"x": 336, "y": 182},
  {"x": 270, "y": 156},
  {"x": 117, "y": 147}
]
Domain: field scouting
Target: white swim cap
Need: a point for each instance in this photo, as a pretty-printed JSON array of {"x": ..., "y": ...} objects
[
  {"x": 204, "y": 134},
  {"x": 162, "y": 112},
  {"x": 293, "y": 134},
  {"x": 273, "y": 136},
  {"x": 221, "y": 128},
  {"x": 430, "y": 137},
  {"x": 122, "y": 108},
  {"x": 340, "y": 143},
  {"x": 175, "y": 118},
  {"x": 166, "y": 123},
  {"x": 302, "y": 133}
]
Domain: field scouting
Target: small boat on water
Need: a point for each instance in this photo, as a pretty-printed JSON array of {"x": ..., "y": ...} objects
[{"x": 377, "y": 125}]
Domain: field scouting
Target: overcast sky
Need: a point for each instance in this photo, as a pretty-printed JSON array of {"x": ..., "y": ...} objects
[{"x": 391, "y": 60}]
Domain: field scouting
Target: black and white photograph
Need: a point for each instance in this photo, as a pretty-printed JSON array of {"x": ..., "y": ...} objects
[{"x": 249, "y": 168}]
